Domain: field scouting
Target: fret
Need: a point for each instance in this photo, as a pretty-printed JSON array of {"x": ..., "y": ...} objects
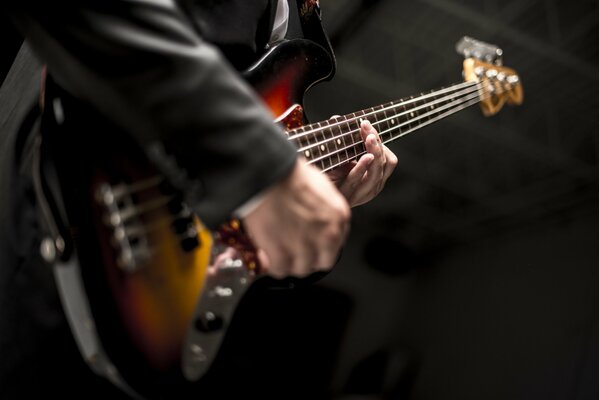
[
  {"x": 372, "y": 116},
  {"x": 425, "y": 108},
  {"x": 340, "y": 140},
  {"x": 359, "y": 143},
  {"x": 318, "y": 144},
  {"x": 309, "y": 143},
  {"x": 348, "y": 138},
  {"x": 323, "y": 146},
  {"x": 300, "y": 140},
  {"x": 395, "y": 121},
  {"x": 440, "y": 102},
  {"x": 409, "y": 113},
  {"x": 334, "y": 143},
  {"x": 383, "y": 125},
  {"x": 357, "y": 122}
]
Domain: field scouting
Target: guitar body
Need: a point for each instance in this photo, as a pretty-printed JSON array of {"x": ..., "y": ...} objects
[{"x": 162, "y": 288}]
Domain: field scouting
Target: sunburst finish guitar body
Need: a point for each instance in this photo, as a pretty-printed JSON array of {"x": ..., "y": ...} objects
[{"x": 161, "y": 288}]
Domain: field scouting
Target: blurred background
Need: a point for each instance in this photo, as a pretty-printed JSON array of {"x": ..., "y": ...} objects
[{"x": 475, "y": 274}]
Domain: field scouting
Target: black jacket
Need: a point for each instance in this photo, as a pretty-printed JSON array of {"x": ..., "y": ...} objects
[
  {"x": 152, "y": 68},
  {"x": 165, "y": 73}
]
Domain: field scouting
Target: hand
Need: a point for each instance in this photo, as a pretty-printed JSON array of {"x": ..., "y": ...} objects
[
  {"x": 363, "y": 180},
  {"x": 300, "y": 225}
]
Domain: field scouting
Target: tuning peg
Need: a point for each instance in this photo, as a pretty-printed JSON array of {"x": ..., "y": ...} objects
[
  {"x": 469, "y": 47},
  {"x": 513, "y": 79},
  {"x": 491, "y": 73}
]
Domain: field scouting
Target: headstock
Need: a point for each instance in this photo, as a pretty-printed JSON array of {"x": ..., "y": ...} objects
[{"x": 498, "y": 84}]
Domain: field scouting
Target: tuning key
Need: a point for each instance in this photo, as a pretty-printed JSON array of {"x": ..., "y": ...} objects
[{"x": 513, "y": 79}]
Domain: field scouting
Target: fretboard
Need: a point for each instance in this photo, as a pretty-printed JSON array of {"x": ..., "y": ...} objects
[{"x": 334, "y": 142}]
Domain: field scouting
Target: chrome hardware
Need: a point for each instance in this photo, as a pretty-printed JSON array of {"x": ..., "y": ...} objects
[
  {"x": 48, "y": 250},
  {"x": 225, "y": 285},
  {"x": 491, "y": 73},
  {"x": 198, "y": 353},
  {"x": 232, "y": 263},
  {"x": 469, "y": 47},
  {"x": 220, "y": 291},
  {"x": 58, "y": 111},
  {"x": 513, "y": 79},
  {"x": 129, "y": 239}
]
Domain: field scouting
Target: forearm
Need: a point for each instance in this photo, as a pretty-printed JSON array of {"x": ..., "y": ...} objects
[{"x": 140, "y": 64}]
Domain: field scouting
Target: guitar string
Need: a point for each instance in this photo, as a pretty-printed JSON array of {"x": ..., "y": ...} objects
[
  {"x": 408, "y": 122},
  {"x": 150, "y": 226},
  {"x": 401, "y": 103},
  {"x": 406, "y": 112},
  {"x": 441, "y": 116},
  {"x": 135, "y": 188},
  {"x": 395, "y": 116},
  {"x": 356, "y": 147},
  {"x": 395, "y": 128},
  {"x": 460, "y": 106}
]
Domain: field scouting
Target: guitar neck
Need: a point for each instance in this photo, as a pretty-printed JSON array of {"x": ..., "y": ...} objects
[{"x": 334, "y": 142}]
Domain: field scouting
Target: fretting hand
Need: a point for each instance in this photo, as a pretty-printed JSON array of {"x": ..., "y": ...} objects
[{"x": 361, "y": 181}]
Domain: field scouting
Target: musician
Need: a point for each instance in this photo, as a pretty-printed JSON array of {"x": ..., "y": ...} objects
[{"x": 166, "y": 73}]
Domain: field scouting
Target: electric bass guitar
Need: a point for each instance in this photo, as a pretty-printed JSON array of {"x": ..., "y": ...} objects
[{"x": 147, "y": 289}]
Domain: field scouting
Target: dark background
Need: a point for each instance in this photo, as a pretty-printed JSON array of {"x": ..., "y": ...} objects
[{"x": 475, "y": 274}]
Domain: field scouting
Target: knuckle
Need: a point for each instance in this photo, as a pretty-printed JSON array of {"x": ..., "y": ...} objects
[
  {"x": 282, "y": 266},
  {"x": 344, "y": 213},
  {"x": 326, "y": 260},
  {"x": 333, "y": 235},
  {"x": 298, "y": 268}
]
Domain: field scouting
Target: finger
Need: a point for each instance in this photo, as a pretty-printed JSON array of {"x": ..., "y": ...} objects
[
  {"x": 339, "y": 174},
  {"x": 373, "y": 180},
  {"x": 302, "y": 263},
  {"x": 278, "y": 262},
  {"x": 375, "y": 147},
  {"x": 355, "y": 175},
  {"x": 377, "y": 167},
  {"x": 391, "y": 163},
  {"x": 330, "y": 248},
  {"x": 366, "y": 129},
  {"x": 263, "y": 260}
]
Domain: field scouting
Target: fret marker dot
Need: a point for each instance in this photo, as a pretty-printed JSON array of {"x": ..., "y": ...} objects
[
  {"x": 432, "y": 107},
  {"x": 412, "y": 114},
  {"x": 307, "y": 154},
  {"x": 393, "y": 122},
  {"x": 322, "y": 147},
  {"x": 339, "y": 142}
]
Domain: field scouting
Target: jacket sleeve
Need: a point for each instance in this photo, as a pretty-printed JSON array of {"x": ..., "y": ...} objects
[{"x": 142, "y": 65}]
